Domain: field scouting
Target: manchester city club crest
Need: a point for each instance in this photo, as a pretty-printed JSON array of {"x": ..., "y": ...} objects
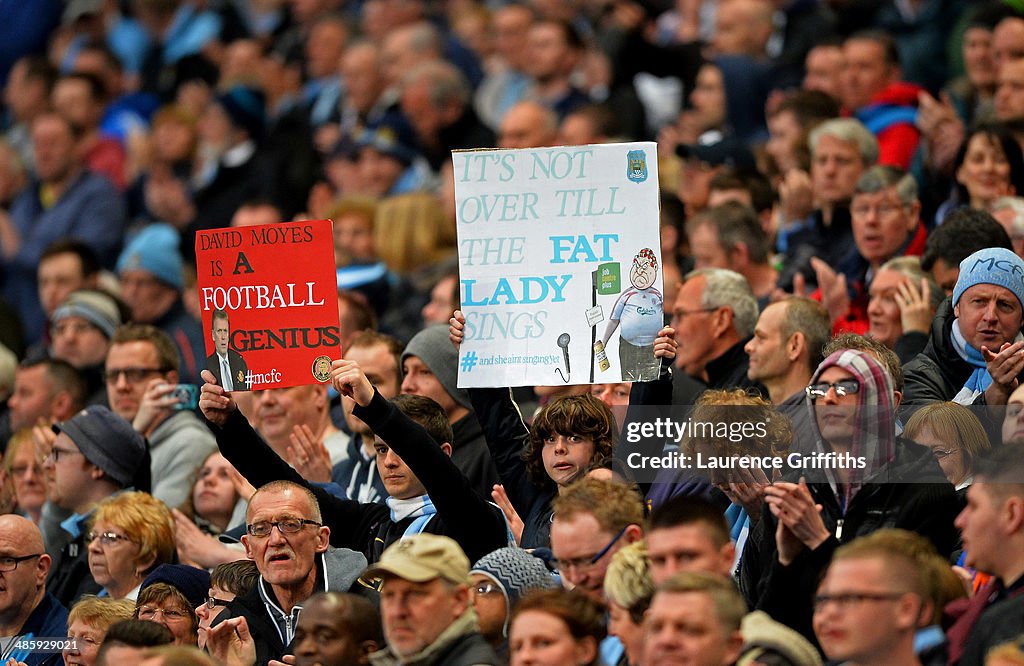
[
  {"x": 637, "y": 170},
  {"x": 322, "y": 368}
]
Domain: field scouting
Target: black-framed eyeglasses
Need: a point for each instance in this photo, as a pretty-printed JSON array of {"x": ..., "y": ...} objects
[
  {"x": 56, "y": 452},
  {"x": 842, "y": 388},
  {"x": 587, "y": 562},
  {"x": 106, "y": 538},
  {"x": 131, "y": 375},
  {"x": 211, "y": 603},
  {"x": 852, "y": 598},
  {"x": 285, "y": 526},
  {"x": 11, "y": 563},
  {"x": 679, "y": 314}
]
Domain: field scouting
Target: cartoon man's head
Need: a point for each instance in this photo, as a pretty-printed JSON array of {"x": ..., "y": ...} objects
[
  {"x": 645, "y": 269},
  {"x": 221, "y": 331}
]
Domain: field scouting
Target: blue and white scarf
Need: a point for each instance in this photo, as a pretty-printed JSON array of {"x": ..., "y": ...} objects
[
  {"x": 420, "y": 508},
  {"x": 423, "y": 509},
  {"x": 979, "y": 380}
]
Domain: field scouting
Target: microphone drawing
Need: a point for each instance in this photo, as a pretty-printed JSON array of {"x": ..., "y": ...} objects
[{"x": 563, "y": 342}]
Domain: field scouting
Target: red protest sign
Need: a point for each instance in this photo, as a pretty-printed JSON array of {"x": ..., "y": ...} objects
[{"x": 269, "y": 301}]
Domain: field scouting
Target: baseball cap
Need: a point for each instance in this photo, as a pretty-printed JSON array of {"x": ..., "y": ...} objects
[{"x": 421, "y": 558}]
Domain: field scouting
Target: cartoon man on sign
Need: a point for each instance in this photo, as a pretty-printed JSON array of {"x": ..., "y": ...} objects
[{"x": 639, "y": 311}]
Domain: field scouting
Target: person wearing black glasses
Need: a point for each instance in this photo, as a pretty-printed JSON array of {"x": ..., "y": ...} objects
[
  {"x": 593, "y": 519},
  {"x": 227, "y": 581},
  {"x": 857, "y": 477},
  {"x": 96, "y": 453},
  {"x": 498, "y": 580},
  {"x": 871, "y": 603},
  {"x": 27, "y": 610},
  {"x": 287, "y": 539}
]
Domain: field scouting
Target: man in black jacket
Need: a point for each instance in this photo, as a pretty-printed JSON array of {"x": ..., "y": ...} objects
[
  {"x": 430, "y": 369},
  {"x": 427, "y": 492},
  {"x": 976, "y": 351},
  {"x": 287, "y": 540},
  {"x": 96, "y": 454},
  {"x": 860, "y": 478}
]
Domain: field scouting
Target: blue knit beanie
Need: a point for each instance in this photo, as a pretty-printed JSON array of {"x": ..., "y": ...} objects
[
  {"x": 155, "y": 250},
  {"x": 246, "y": 107},
  {"x": 193, "y": 583},
  {"x": 993, "y": 265}
]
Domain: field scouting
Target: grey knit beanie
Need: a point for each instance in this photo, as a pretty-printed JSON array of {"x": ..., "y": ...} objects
[
  {"x": 516, "y": 572},
  {"x": 432, "y": 346}
]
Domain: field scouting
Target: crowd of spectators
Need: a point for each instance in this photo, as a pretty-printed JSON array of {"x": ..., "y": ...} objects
[{"x": 842, "y": 245}]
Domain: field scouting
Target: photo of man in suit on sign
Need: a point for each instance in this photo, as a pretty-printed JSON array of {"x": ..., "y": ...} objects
[{"x": 226, "y": 364}]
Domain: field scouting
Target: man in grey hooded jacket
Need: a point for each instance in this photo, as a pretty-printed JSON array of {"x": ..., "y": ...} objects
[{"x": 290, "y": 545}]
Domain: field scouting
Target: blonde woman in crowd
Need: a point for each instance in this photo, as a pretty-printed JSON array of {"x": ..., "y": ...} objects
[
  {"x": 132, "y": 533},
  {"x": 88, "y": 622},
  {"x": 628, "y": 588}
]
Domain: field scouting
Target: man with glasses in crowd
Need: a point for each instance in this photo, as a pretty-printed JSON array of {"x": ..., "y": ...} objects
[
  {"x": 142, "y": 373},
  {"x": 886, "y": 223},
  {"x": 593, "y": 520},
  {"x": 870, "y": 604},
  {"x": 715, "y": 313},
  {"x": 27, "y": 610},
  {"x": 498, "y": 580},
  {"x": 863, "y": 477},
  {"x": 287, "y": 540},
  {"x": 96, "y": 454}
]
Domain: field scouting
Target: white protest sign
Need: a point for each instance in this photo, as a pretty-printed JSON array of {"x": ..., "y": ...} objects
[{"x": 546, "y": 236}]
